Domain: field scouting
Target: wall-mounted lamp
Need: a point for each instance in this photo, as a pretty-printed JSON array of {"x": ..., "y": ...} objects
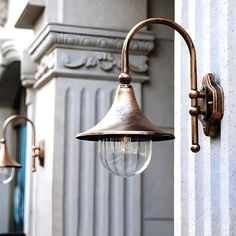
[
  {"x": 125, "y": 135},
  {"x": 7, "y": 164}
]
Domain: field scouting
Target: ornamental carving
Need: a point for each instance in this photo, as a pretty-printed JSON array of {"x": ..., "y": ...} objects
[
  {"x": 103, "y": 42},
  {"x": 87, "y": 39},
  {"x": 63, "y": 50},
  {"x": 47, "y": 63},
  {"x": 105, "y": 61}
]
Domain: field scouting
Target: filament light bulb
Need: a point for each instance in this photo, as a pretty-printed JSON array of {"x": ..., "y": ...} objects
[{"x": 125, "y": 156}]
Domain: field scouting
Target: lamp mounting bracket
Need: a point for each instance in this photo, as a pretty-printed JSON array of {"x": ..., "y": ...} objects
[
  {"x": 39, "y": 152},
  {"x": 213, "y": 105},
  {"x": 210, "y": 107}
]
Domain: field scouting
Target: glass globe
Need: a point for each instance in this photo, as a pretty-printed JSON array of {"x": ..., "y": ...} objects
[
  {"x": 125, "y": 156},
  {"x": 6, "y": 174}
]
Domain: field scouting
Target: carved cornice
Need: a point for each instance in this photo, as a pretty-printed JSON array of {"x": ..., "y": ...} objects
[
  {"x": 66, "y": 36},
  {"x": 64, "y": 50}
]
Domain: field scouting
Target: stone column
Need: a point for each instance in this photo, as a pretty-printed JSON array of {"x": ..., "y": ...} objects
[
  {"x": 205, "y": 183},
  {"x": 75, "y": 84},
  {"x": 77, "y": 69}
]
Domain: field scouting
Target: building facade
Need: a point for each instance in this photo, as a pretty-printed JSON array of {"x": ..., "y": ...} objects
[{"x": 68, "y": 58}]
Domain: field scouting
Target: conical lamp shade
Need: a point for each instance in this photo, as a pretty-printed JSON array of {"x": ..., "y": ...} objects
[
  {"x": 125, "y": 118},
  {"x": 5, "y": 159}
]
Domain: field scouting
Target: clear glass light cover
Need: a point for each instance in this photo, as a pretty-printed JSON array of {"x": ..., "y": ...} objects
[
  {"x": 125, "y": 156},
  {"x": 6, "y": 175}
]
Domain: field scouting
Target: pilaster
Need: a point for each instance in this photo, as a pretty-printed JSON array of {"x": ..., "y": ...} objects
[{"x": 75, "y": 82}]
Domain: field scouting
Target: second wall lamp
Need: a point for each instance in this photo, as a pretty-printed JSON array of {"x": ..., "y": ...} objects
[
  {"x": 125, "y": 135},
  {"x": 7, "y": 164}
]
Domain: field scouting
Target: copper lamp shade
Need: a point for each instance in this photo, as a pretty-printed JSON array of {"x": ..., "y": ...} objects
[
  {"x": 5, "y": 160},
  {"x": 125, "y": 118}
]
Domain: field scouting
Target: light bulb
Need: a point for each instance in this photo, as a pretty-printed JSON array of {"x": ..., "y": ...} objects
[
  {"x": 6, "y": 174},
  {"x": 125, "y": 156}
]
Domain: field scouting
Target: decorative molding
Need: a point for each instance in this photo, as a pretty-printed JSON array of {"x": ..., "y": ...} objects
[
  {"x": 102, "y": 42},
  {"x": 70, "y": 51},
  {"x": 105, "y": 61},
  {"x": 27, "y": 81},
  {"x": 28, "y": 70},
  {"x": 47, "y": 63},
  {"x": 9, "y": 53},
  {"x": 57, "y": 35}
]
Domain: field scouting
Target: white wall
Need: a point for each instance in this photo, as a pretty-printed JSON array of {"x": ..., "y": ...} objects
[{"x": 205, "y": 190}]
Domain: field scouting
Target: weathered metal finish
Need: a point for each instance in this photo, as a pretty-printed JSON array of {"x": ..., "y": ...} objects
[
  {"x": 125, "y": 118},
  {"x": 40, "y": 152},
  {"x": 193, "y": 65},
  {"x": 212, "y": 104},
  {"x": 5, "y": 159}
]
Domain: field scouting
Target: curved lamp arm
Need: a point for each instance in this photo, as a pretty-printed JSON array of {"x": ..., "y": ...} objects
[
  {"x": 193, "y": 65},
  {"x": 36, "y": 150},
  {"x": 173, "y": 25},
  {"x": 211, "y": 94}
]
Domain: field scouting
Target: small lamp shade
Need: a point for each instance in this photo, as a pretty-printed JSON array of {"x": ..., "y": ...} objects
[
  {"x": 125, "y": 118},
  {"x": 5, "y": 160}
]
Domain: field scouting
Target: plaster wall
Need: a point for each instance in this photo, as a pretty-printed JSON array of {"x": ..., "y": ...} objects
[
  {"x": 102, "y": 14},
  {"x": 205, "y": 182}
]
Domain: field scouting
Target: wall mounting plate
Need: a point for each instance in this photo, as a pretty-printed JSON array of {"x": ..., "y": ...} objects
[
  {"x": 213, "y": 104},
  {"x": 41, "y": 156}
]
